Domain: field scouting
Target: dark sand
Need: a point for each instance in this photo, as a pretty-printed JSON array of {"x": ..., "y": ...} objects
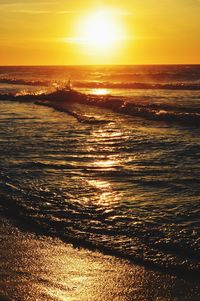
[{"x": 42, "y": 268}]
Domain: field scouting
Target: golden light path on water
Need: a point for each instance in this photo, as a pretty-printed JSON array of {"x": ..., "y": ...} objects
[
  {"x": 99, "y": 91},
  {"x": 106, "y": 194}
]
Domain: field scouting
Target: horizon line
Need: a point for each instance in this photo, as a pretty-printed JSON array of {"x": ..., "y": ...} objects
[{"x": 99, "y": 65}]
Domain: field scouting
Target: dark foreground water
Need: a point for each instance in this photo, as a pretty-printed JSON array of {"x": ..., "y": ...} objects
[{"x": 128, "y": 185}]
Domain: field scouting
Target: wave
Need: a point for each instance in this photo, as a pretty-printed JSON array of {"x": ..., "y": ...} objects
[
  {"x": 83, "y": 118},
  {"x": 60, "y": 99},
  {"x": 138, "y": 85},
  {"x": 14, "y": 81},
  {"x": 156, "y": 112},
  {"x": 149, "y": 73},
  {"x": 109, "y": 84}
]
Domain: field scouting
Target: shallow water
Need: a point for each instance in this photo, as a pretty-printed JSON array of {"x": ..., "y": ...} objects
[{"x": 127, "y": 185}]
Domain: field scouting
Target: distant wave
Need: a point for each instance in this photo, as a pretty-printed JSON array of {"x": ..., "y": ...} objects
[
  {"x": 14, "y": 81},
  {"x": 151, "y": 111},
  {"x": 108, "y": 84},
  {"x": 139, "y": 85},
  {"x": 156, "y": 74}
]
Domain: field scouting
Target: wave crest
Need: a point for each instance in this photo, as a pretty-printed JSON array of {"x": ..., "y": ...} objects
[{"x": 151, "y": 111}]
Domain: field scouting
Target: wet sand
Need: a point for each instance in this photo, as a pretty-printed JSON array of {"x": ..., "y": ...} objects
[{"x": 42, "y": 268}]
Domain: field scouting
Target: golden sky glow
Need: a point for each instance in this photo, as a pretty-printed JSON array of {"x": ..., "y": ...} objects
[{"x": 51, "y": 32}]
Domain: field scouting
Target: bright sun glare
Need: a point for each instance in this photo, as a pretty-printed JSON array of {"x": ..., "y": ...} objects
[{"x": 100, "y": 30}]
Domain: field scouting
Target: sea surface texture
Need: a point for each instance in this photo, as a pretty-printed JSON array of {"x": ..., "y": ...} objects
[{"x": 126, "y": 184}]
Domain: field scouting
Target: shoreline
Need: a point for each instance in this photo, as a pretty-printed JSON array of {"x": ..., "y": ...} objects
[{"x": 43, "y": 268}]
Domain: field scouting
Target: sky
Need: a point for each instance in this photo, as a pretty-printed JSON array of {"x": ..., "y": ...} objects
[{"x": 82, "y": 32}]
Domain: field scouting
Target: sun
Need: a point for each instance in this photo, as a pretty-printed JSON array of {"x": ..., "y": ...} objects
[{"x": 100, "y": 30}]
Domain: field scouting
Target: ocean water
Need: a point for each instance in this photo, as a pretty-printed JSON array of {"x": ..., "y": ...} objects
[{"x": 128, "y": 184}]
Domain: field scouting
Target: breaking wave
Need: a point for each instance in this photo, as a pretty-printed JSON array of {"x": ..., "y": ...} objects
[{"x": 61, "y": 99}]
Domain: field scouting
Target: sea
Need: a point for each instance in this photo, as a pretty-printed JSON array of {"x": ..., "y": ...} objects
[{"x": 127, "y": 185}]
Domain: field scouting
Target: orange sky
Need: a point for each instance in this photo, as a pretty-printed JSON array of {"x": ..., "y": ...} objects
[{"x": 51, "y": 32}]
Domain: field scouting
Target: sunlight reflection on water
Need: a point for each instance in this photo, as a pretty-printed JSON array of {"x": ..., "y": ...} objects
[
  {"x": 100, "y": 91},
  {"x": 106, "y": 195}
]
